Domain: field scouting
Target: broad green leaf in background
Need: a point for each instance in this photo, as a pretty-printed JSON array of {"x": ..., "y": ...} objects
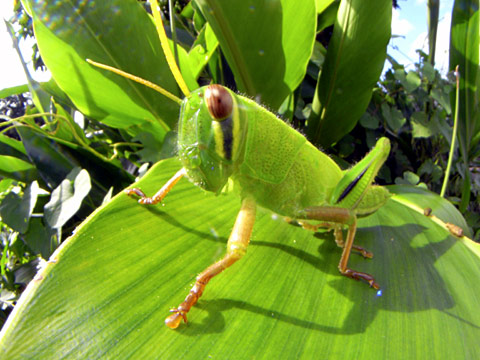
[
  {"x": 442, "y": 97},
  {"x": 355, "y": 57},
  {"x": 267, "y": 43},
  {"x": 370, "y": 122},
  {"x": 328, "y": 15},
  {"x": 41, "y": 239},
  {"x": 67, "y": 198},
  {"x": 69, "y": 32},
  {"x": 188, "y": 71},
  {"x": 51, "y": 163},
  {"x": 412, "y": 81},
  {"x": 11, "y": 146},
  {"x": 393, "y": 117},
  {"x": 106, "y": 291},
  {"x": 202, "y": 50},
  {"x": 16, "y": 211},
  {"x": 465, "y": 52},
  {"x": 421, "y": 127},
  {"x": 18, "y": 169},
  {"x": 14, "y": 90},
  {"x": 433, "y": 7},
  {"x": 321, "y": 5}
]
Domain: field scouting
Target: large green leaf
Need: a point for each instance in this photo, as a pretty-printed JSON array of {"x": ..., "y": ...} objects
[
  {"x": 433, "y": 7},
  {"x": 14, "y": 90},
  {"x": 18, "y": 169},
  {"x": 16, "y": 211},
  {"x": 107, "y": 289},
  {"x": 267, "y": 43},
  {"x": 464, "y": 52},
  {"x": 355, "y": 57},
  {"x": 67, "y": 198},
  {"x": 115, "y": 32}
]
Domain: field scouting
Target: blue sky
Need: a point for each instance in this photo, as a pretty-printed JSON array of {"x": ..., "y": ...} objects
[{"x": 409, "y": 22}]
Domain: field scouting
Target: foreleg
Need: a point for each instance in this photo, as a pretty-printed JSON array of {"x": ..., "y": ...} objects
[
  {"x": 158, "y": 197},
  {"x": 236, "y": 248}
]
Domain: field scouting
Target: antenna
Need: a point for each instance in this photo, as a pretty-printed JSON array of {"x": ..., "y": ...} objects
[{"x": 137, "y": 79}]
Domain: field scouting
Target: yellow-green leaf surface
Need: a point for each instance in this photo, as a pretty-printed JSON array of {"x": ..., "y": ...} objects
[{"x": 106, "y": 291}]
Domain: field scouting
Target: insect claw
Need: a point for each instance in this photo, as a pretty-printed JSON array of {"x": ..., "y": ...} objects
[
  {"x": 373, "y": 284},
  {"x": 173, "y": 321},
  {"x": 357, "y": 275},
  {"x": 365, "y": 253}
]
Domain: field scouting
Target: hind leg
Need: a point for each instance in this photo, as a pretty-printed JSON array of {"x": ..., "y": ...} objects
[{"x": 348, "y": 218}]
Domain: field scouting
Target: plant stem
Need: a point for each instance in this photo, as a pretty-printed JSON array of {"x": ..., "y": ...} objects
[{"x": 454, "y": 135}]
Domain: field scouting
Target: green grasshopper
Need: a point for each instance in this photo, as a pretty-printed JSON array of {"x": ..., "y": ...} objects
[{"x": 223, "y": 135}]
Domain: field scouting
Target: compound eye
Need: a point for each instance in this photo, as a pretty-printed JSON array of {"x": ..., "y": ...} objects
[{"x": 219, "y": 102}]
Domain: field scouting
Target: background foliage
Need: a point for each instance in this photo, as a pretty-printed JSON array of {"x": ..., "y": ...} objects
[{"x": 86, "y": 134}]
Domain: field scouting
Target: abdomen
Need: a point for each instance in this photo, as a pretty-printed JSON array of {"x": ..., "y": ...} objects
[{"x": 309, "y": 182}]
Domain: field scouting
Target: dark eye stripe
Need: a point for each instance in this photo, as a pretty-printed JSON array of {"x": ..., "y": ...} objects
[
  {"x": 350, "y": 186},
  {"x": 227, "y": 130}
]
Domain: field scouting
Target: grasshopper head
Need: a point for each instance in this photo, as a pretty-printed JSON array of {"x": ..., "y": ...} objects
[{"x": 208, "y": 136}]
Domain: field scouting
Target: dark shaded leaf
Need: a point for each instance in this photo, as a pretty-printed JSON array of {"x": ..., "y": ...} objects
[
  {"x": 442, "y": 97},
  {"x": 52, "y": 164},
  {"x": 464, "y": 52},
  {"x": 14, "y": 90},
  {"x": 369, "y": 122},
  {"x": 394, "y": 117},
  {"x": 17, "y": 169},
  {"x": 40, "y": 239},
  {"x": 16, "y": 210},
  {"x": 67, "y": 198}
]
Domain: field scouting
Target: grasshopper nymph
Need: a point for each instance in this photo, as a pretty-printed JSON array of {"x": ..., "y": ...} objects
[{"x": 223, "y": 135}]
